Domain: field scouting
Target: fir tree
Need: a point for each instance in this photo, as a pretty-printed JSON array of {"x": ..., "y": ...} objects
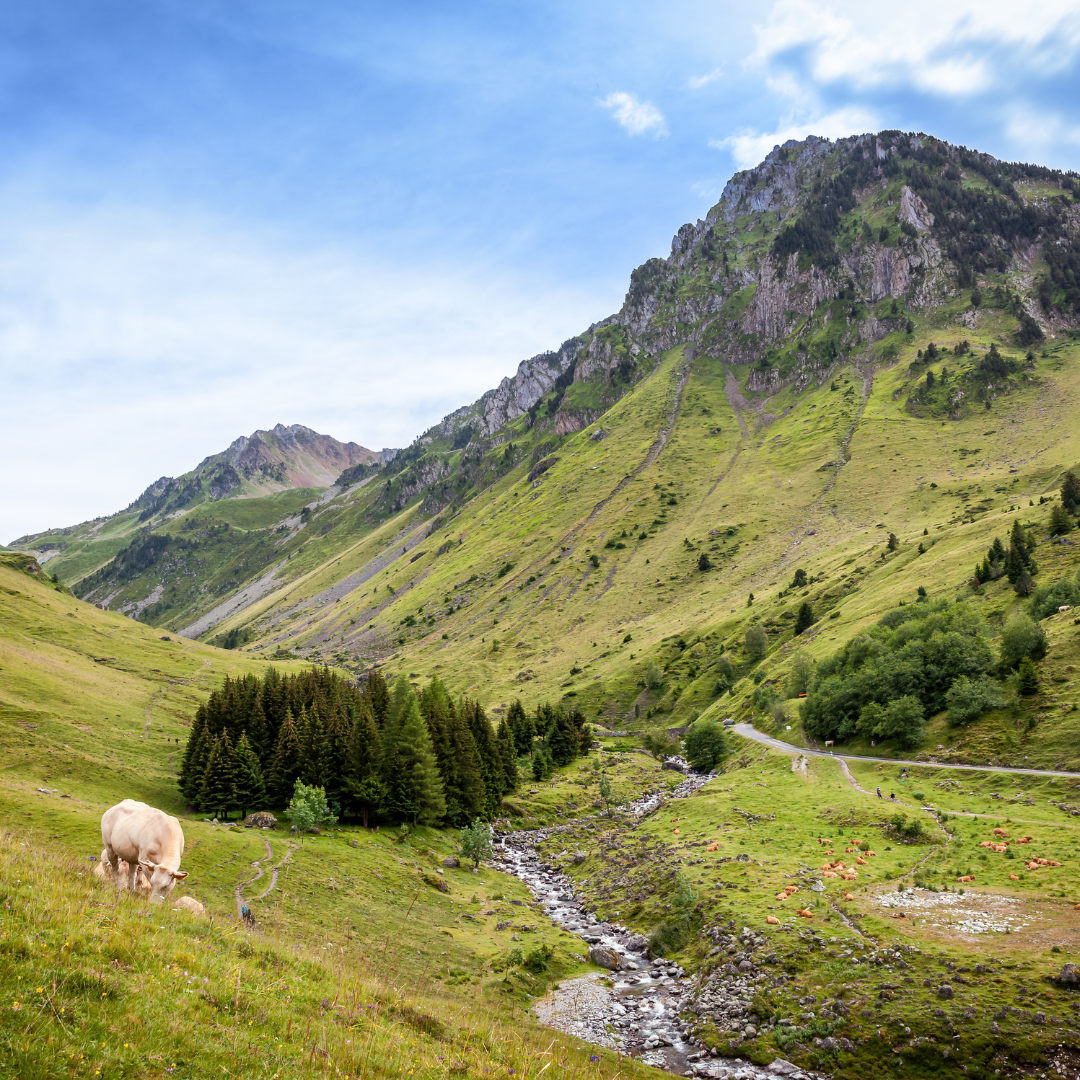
[
  {"x": 362, "y": 779},
  {"x": 1070, "y": 492},
  {"x": 996, "y": 554},
  {"x": 335, "y": 752},
  {"x": 285, "y": 763},
  {"x": 377, "y": 694},
  {"x": 250, "y": 788},
  {"x": 218, "y": 792},
  {"x": 522, "y": 728},
  {"x": 563, "y": 742},
  {"x": 805, "y": 619},
  {"x": 491, "y": 770},
  {"x": 425, "y": 799},
  {"x": 313, "y": 754},
  {"x": 1060, "y": 522},
  {"x": 469, "y": 784},
  {"x": 505, "y": 743},
  {"x": 892, "y": 543},
  {"x": 799, "y": 580},
  {"x": 199, "y": 744},
  {"x": 1027, "y": 682}
]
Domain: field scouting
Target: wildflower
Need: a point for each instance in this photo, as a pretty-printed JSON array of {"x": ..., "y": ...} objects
[
  {"x": 16, "y": 1006},
  {"x": 41, "y": 989},
  {"x": 595, "y": 1057}
]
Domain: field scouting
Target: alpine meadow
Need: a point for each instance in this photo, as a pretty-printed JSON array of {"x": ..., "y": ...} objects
[{"x": 812, "y": 811}]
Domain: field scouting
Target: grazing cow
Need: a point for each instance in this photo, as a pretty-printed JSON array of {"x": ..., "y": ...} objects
[
  {"x": 828, "y": 742},
  {"x": 145, "y": 839}
]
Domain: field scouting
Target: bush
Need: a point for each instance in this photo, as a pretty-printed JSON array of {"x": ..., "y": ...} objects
[
  {"x": 902, "y": 719},
  {"x": 536, "y": 960},
  {"x": 916, "y": 651},
  {"x": 798, "y": 680},
  {"x": 475, "y": 842},
  {"x": 1022, "y": 638},
  {"x": 705, "y": 745},
  {"x": 308, "y": 808},
  {"x": 968, "y": 699},
  {"x": 660, "y": 744},
  {"x": 1048, "y": 598},
  {"x": 654, "y": 677},
  {"x": 755, "y": 642}
]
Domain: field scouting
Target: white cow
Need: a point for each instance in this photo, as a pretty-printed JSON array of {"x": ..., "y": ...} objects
[
  {"x": 104, "y": 870},
  {"x": 145, "y": 839}
]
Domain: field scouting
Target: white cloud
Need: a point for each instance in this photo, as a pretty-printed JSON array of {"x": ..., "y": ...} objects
[
  {"x": 937, "y": 46},
  {"x": 637, "y": 117},
  {"x": 134, "y": 344},
  {"x": 696, "y": 82},
  {"x": 749, "y": 147}
]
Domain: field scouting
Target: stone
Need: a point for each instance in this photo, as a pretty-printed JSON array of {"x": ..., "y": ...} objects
[
  {"x": 604, "y": 957},
  {"x": 189, "y": 904},
  {"x": 262, "y": 819},
  {"x": 578, "y": 858},
  {"x": 846, "y": 1045},
  {"x": 946, "y": 992},
  {"x": 780, "y": 1067},
  {"x": 451, "y": 862},
  {"x": 1068, "y": 977},
  {"x": 829, "y": 1043}
]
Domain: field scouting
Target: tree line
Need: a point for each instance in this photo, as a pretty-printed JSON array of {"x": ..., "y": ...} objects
[{"x": 395, "y": 753}]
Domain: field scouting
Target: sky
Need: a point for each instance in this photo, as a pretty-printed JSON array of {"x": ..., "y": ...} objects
[{"x": 216, "y": 217}]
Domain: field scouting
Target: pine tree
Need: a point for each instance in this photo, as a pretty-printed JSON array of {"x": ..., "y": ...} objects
[
  {"x": 1027, "y": 682},
  {"x": 522, "y": 728},
  {"x": 487, "y": 758},
  {"x": 426, "y": 802},
  {"x": 799, "y": 580},
  {"x": 985, "y": 572},
  {"x": 285, "y": 763},
  {"x": 805, "y": 619},
  {"x": 218, "y": 792},
  {"x": 563, "y": 742},
  {"x": 1070, "y": 492},
  {"x": 504, "y": 742},
  {"x": 996, "y": 554},
  {"x": 312, "y": 735},
  {"x": 362, "y": 779},
  {"x": 250, "y": 789},
  {"x": 892, "y": 543},
  {"x": 377, "y": 694},
  {"x": 199, "y": 744},
  {"x": 335, "y": 752},
  {"x": 1060, "y": 522}
]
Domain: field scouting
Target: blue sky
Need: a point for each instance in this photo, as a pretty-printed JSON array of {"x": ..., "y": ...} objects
[{"x": 216, "y": 217}]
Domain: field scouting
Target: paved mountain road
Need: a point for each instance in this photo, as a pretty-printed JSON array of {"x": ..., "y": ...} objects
[{"x": 749, "y": 732}]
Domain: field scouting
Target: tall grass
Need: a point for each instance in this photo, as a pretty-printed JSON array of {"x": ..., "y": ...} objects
[{"x": 95, "y": 983}]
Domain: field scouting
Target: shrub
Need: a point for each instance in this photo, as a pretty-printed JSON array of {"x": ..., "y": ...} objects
[
  {"x": 798, "y": 680},
  {"x": 660, "y": 744},
  {"x": 755, "y": 642},
  {"x": 308, "y": 808},
  {"x": 1022, "y": 638},
  {"x": 1048, "y": 598},
  {"x": 705, "y": 745},
  {"x": 968, "y": 699},
  {"x": 475, "y": 842},
  {"x": 902, "y": 719},
  {"x": 654, "y": 677},
  {"x": 915, "y": 651}
]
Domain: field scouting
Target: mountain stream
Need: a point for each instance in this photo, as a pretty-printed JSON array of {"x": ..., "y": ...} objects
[{"x": 634, "y": 1010}]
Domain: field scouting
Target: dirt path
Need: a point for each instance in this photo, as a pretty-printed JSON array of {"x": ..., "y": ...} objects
[
  {"x": 736, "y": 401},
  {"x": 749, "y": 732},
  {"x": 257, "y": 864}
]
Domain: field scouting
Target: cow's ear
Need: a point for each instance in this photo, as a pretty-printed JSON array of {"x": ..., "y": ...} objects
[
  {"x": 148, "y": 868},
  {"x": 178, "y": 874}
]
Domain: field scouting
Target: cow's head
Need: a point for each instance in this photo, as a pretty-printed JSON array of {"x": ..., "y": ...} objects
[{"x": 161, "y": 879}]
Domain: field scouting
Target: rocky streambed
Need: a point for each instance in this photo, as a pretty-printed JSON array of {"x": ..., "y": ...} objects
[{"x": 638, "y": 1008}]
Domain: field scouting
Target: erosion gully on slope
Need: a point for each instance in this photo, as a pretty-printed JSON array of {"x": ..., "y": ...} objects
[{"x": 636, "y": 1009}]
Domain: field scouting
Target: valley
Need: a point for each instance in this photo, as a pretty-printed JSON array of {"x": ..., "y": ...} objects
[{"x": 808, "y": 498}]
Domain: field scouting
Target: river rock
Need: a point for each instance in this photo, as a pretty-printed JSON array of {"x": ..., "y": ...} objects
[
  {"x": 263, "y": 819},
  {"x": 604, "y": 957},
  {"x": 1069, "y": 977}
]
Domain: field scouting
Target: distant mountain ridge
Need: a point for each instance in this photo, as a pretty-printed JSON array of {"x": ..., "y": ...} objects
[{"x": 257, "y": 464}]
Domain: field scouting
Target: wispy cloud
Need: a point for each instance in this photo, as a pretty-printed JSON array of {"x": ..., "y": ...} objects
[
  {"x": 696, "y": 82},
  {"x": 637, "y": 117},
  {"x": 133, "y": 344},
  {"x": 939, "y": 47},
  {"x": 748, "y": 146}
]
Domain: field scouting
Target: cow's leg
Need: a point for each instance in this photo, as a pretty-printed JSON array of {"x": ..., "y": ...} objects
[
  {"x": 113, "y": 861},
  {"x": 130, "y": 868}
]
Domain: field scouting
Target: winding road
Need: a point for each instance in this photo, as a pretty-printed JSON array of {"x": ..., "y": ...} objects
[{"x": 750, "y": 732}]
